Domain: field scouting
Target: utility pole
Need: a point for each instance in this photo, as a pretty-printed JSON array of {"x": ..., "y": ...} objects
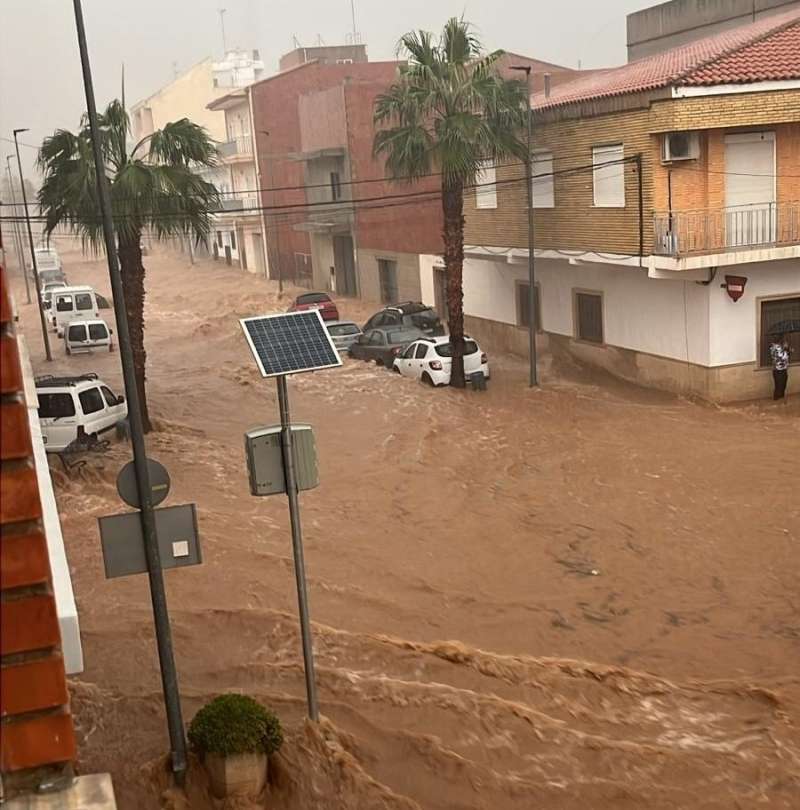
[
  {"x": 40, "y": 304},
  {"x": 532, "y": 325},
  {"x": 222, "y": 26},
  {"x": 17, "y": 235},
  {"x": 169, "y": 676}
]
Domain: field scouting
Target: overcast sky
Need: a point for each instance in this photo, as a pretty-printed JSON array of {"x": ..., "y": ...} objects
[{"x": 40, "y": 78}]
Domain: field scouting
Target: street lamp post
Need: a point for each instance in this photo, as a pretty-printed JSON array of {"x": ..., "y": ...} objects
[
  {"x": 532, "y": 325},
  {"x": 169, "y": 676},
  {"x": 274, "y": 217},
  {"x": 17, "y": 236},
  {"x": 40, "y": 303}
]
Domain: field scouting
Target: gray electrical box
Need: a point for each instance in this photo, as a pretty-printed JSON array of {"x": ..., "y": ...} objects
[{"x": 262, "y": 448}]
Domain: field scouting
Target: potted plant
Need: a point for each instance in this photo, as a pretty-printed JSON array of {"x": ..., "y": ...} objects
[{"x": 234, "y": 736}]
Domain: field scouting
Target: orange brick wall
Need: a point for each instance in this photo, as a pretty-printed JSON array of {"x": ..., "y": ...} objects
[{"x": 37, "y": 732}]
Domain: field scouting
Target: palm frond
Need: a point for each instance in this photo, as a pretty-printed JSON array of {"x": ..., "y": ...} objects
[
  {"x": 459, "y": 45},
  {"x": 182, "y": 142}
]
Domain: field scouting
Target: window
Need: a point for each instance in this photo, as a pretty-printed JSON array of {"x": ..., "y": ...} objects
[
  {"x": 589, "y": 316},
  {"x": 387, "y": 274},
  {"x": 64, "y": 303},
  {"x": 77, "y": 333},
  {"x": 341, "y": 329},
  {"x": 233, "y": 240},
  {"x": 83, "y": 301},
  {"x": 523, "y": 309},
  {"x": 422, "y": 350},
  {"x": 376, "y": 338},
  {"x": 408, "y": 354},
  {"x": 97, "y": 331},
  {"x": 774, "y": 315},
  {"x": 102, "y": 302},
  {"x": 609, "y": 176},
  {"x": 402, "y": 336},
  {"x": 446, "y": 349},
  {"x": 313, "y": 298},
  {"x": 109, "y": 396},
  {"x": 336, "y": 186},
  {"x": 91, "y": 401},
  {"x": 542, "y": 181},
  {"x": 55, "y": 406},
  {"x": 219, "y": 238},
  {"x": 485, "y": 185}
]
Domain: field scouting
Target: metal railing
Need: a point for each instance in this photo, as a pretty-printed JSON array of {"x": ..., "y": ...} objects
[
  {"x": 240, "y": 146},
  {"x": 687, "y": 233},
  {"x": 234, "y": 201}
]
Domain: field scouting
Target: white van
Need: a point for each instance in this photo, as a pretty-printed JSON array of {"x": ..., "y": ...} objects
[
  {"x": 72, "y": 304},
  {"x": 83, "y": 336},
  {"x": 76, "y": 409}
]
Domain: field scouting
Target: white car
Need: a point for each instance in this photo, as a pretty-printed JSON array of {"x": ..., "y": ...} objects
[
  {"x": 83, "y": 336},
  {"x": 430, "y": 360},
  {"x": 76, "y": 410}
]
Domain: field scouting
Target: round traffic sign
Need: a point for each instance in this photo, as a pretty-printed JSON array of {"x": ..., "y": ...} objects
[{"x": 159, "y": 483}]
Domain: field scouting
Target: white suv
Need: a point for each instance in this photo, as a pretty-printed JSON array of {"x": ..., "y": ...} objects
[
  {"x": 431, "y": 359},
  {"x": 76, "y": 410}
]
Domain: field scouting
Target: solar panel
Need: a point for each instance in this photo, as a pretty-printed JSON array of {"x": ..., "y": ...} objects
[{"x": 290, "y": 342}]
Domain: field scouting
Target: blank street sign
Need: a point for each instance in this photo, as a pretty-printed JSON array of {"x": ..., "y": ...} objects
[
  {"x": 123, "y": 543},
  {"x": 290, "y": 342}
]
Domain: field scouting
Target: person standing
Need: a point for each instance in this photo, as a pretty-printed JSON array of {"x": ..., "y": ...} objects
[{"x": 779, "y": 352}]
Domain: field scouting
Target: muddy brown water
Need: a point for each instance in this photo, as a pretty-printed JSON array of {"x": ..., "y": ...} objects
[{"x": 582, "y": 596}]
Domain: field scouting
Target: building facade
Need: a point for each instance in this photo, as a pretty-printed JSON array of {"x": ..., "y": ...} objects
[{"x": 660, "y": 189}]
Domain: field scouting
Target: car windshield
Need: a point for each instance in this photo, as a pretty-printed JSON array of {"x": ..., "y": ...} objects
[
  {"x": 446, "y": 349},
  {"x": 338, "y": 329},
  {"x": 313, "y": 298},
  {"x": 403, "y": 336}
]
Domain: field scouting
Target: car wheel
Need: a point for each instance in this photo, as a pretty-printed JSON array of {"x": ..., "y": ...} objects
[
  {"x": 66, "y": 348},
  {"x": 395, "y": 369},
  {"x": 378, "y": 361},
  {"x": 428, "y": 380}
]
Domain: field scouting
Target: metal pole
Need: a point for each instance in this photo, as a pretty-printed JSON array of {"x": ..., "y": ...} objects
[
  {"x": 532, "y": 325},
  {"x": 39, "y": 302},
  {"x": 17, "y": 235},
  {"x": 297, "y": 547},
  {"x": 169, "y": 676}
]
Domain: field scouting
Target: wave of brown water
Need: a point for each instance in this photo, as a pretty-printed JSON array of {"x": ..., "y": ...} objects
[{"x": 495, "y": 579}]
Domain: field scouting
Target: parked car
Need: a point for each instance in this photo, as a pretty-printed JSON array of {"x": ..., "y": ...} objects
[
  {"x": 76, "y": 409},
  {"x": 409, "y": 314},
  {"x": 49, "y": 266},
  {"x": 316, "y": 300},
  {"x": 48, "y": 290},
  {"x": 431, "y": 360},
  {"x": 343, "y": 333},
  {"x": 384, "y": 344},
  {"x": 83, "y": 336},
  {"x": 72, "y": 304}
]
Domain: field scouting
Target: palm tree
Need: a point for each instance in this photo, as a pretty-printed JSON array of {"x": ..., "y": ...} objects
[
  {"x": 153, "y": 186},
  {"x": 448, "y": 112}
]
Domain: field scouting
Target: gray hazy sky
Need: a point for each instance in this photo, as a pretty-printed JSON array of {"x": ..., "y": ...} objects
[{"x": 40, "y": 78}]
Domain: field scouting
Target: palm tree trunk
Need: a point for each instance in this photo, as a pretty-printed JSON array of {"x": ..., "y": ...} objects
[
  {"x": 453, "y": 235},
  {"x": 130, "y": 260}
]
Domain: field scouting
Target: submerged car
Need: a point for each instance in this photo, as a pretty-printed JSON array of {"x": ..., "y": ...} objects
[
  {"x": 383, "y": 345},
  {"x": 343, "y": 333},
  {"x": 316, "y": 300},
  {"x": 431, "y": 360},
  {"x": 411, "y": 314}
]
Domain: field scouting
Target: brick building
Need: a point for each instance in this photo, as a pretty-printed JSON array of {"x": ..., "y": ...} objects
[{"x": 652, "y": 183}]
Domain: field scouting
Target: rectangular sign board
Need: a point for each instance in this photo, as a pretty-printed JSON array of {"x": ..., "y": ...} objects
[{"x": 123, "y": 542}]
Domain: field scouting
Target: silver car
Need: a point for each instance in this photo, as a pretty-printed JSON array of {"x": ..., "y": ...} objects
[{"x": 343, "y": 333}]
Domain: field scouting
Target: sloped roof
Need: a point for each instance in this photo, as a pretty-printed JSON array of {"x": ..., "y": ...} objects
[{"x": 760, "y": 51}]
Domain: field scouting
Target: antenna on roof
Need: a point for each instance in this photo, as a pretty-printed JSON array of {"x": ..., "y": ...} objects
[
  {"x": 222, "y": 26},
  {"x": 353, "y": 38}
]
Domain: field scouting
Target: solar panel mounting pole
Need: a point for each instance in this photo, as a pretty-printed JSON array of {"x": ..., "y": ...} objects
[
  {"x": 297, "y": 547},
  {"x": 158, "y": 598}
]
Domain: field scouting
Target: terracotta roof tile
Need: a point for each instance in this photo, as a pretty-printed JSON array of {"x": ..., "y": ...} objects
[{"x": 760, "y": 51}]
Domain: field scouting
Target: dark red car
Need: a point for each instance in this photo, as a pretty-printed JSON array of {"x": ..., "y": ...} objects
[{"x": 316, "y": 300}]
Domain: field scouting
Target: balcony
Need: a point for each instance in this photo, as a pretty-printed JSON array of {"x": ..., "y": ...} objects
[
  {"x": 238, "y": 148},
  {"x": 235, "y": 202},
  {"x": 722, "y": 230}
]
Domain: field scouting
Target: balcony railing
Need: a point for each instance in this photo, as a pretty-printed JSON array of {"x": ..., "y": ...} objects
[
  {"x": 234, "y": 201},
  {"x": 691, "y": 233},
  {"x": 240, "y": 146}
]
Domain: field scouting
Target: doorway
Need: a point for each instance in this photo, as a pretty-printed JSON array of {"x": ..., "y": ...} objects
[{"x": 344, "y": 264}]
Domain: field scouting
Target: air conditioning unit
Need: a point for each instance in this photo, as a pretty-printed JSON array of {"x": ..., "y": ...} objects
[{"x": 680, "y": 146}]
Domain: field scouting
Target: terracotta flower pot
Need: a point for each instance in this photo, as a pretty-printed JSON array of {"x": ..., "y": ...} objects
[{"x": 238, "y": 775}]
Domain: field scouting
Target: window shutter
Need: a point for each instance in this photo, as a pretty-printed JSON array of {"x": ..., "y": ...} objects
[
  {"x": 485, "y": 188},
  {"x": 542, "y": 182},
  {"x": 609, "y": 180}
]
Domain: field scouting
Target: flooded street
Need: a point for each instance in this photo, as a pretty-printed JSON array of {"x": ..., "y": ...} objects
[{"x": 584, "y": 596}]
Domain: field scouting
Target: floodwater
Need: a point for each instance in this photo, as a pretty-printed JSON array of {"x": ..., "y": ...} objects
[{"x": 584, "y": 596}]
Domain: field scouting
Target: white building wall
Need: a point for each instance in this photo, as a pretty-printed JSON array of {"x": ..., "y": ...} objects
[{"x": 734, "y": 325}]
